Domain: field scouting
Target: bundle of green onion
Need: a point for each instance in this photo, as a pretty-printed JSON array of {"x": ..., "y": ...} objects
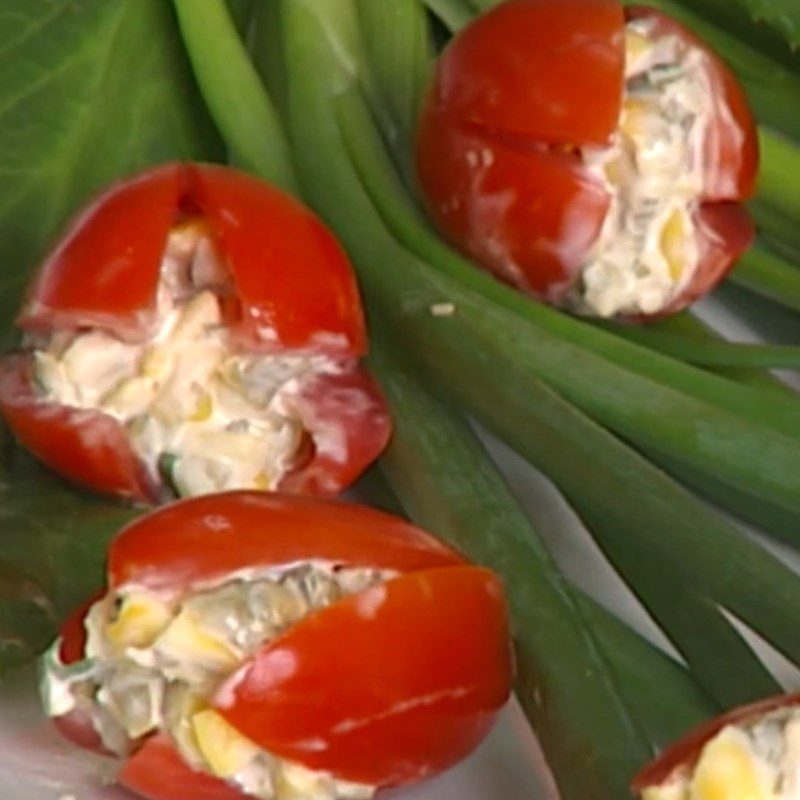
[{"x": 603, "y": 411}]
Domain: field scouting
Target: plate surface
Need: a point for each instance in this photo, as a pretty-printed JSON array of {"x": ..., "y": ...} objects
[{"x": 35, "y": 764}]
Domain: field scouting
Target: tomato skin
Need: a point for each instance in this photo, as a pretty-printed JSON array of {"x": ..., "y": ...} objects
[
  {"x": 515, "y": 96},
  {"x": 291, "y": 274},
  {"x": 412, "y": 694},
  {"x": 523, "y": 67},
  {"x": 157, "y": 772},
  {"x": 72, "y": 636},
  {"x": 295, "y": 283},
  {"x": 686, "y": 751},
  {"x": 348, "y": 423},
  {"x": 77, "y": 727},
  {"x": 209, "y": 537},
  {"x": 529, "y": 214},
  {"x": 117, "y": 240},
  {"x": 88, "y": 447}
]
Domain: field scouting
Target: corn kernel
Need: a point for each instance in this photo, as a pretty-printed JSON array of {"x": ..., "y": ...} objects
[
  {"x": 262, "y": 482},
  {"x": 156, "y": 362},
  {"x": 674, "y": 236},
  {"x": 139, "y": 621},
  {"x": 224, "y": 749},
  {"x": 186, "y": 640},
  {"x": 636, "y": 45},
  {"x": 728, "y": 770},
  {"x": 296, "y": 782},
  {"x": 633, "y": 122},
  {"x": 204, "y": 409},
  {"x": 613, "y": 171}
]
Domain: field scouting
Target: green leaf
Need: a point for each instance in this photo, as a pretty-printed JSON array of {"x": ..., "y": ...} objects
[
  {"x": 690, "y": 327},
  {"x": 661, "y": 691},
  {"x": 89, "y": 90},
  {"x": 709, "y": 352},
  {"x": 783, "y": 16},
  {"x": 52, "y": 551}
]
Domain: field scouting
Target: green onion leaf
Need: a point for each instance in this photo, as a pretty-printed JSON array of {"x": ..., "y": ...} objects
[{"x": 233, "y": 91}]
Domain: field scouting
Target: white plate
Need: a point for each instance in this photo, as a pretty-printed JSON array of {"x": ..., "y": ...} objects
[{"x": 35, "y": 764}]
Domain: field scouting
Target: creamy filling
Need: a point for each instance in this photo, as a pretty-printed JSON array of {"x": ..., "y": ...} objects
[
  {"x": 755, "y": 761},
  {"x": 647, "y": 251},
  {"x": 153, "y": 663},
  {"x": 202, "y": 417}
]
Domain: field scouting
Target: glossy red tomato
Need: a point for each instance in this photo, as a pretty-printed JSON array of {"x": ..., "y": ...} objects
[
  {"x": 295, "y": 292},
  {"x": 205, "y": 538},
  {"x": 399, "y": 681},
  {"x": 516, "y": 96},
  {"x": 687, "y": 751}
]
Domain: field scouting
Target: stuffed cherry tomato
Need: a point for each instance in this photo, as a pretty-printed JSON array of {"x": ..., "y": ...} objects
[
  {"x": 752, "y": 753},
  {"x": 275, "y": 646},
  {"x": 196, "y": 330},
  {"x": 593, "y": 156}
]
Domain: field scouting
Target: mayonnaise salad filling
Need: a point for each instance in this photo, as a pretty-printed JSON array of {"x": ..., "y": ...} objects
[
  {"x": 757, "y": 760},
  {"x": 647, "y": 250},
  {"x": 201, "y": 416},
  {"x": 154, "y": 662}
]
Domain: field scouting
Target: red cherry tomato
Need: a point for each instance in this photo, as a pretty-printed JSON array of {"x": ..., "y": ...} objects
[
  {"x": 399, "y": 681},
  {"x": 295, "y": 292},
  {"x": 515, "y": 97},
  {"x": 687, "y": 751}
]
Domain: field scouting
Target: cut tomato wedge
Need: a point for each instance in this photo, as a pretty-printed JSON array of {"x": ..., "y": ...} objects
[
  {"x": 388, "y": 717},
  {"x": 86, "y": 446},
  {"x": 209, "y": 537},
  {"x": 550, "y": 69}
]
